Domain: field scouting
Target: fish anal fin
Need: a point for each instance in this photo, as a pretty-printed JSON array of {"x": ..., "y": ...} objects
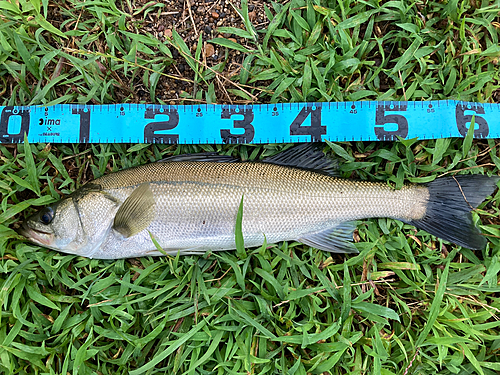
[
  {"x": 136, "y": 212},
  {"x": 306, "y": 156},
  {"x": 337, "y": 239}
]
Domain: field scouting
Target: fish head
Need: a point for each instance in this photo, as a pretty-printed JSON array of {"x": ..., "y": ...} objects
[
  {"x": 54, "y": 226},
  {"x": 75, "y": 225}
]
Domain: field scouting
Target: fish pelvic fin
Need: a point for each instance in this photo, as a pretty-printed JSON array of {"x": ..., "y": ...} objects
[
  {"x": 197, "y": 250},
  {"x": 136, "y": 212},
  {"x": 308, "y": 156},
  {"x": 448, "y": 213},
  {"x": 335, "y": 240}
]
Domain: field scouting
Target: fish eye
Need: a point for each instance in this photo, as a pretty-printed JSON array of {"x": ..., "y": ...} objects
[{"x": 47, "y": 215}]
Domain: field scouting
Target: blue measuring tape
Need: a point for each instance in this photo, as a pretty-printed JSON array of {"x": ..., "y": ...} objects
[{"x": 260, "y": 123}]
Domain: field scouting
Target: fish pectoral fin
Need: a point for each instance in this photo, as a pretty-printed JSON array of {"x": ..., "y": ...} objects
[
  {"x": 136, "y": 213},
  {"x": 335, "y": 240}
]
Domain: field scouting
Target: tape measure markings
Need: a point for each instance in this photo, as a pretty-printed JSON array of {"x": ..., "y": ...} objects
[{"x": 262, "y": 123}]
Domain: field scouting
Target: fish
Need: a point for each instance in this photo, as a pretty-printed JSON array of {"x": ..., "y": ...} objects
[{"x": 189, "y": 205}]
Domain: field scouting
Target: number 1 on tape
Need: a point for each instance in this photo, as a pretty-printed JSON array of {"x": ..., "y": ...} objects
[{"x": 260, "y": 123}]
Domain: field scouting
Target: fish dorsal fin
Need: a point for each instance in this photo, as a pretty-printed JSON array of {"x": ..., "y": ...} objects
[
  {"x": 136, "y": 213},
  {"x": 203, "y": 156},
  {"x": 335, "y": 240},
  {"x": 306, "y": 156}
]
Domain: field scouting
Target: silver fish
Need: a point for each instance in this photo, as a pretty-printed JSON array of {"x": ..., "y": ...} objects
[{"x": 189, "y": 203}]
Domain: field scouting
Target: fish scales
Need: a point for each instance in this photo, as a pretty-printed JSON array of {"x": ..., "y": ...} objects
[
  {"x": 197, "y": 203},
  {"x": 189, "y": 205}
]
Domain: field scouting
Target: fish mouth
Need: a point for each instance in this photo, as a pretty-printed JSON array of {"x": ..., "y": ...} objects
[{"x": 36, "y": 236}]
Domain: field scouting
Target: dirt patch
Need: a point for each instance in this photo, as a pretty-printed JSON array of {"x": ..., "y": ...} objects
[{"x": 192, "y": 19}]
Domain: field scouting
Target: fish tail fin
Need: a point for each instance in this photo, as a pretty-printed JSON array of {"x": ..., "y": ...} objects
[{"x": 448, "y": 214}]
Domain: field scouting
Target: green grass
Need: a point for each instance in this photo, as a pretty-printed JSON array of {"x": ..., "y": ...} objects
[{"x": 407, "y": 304}]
